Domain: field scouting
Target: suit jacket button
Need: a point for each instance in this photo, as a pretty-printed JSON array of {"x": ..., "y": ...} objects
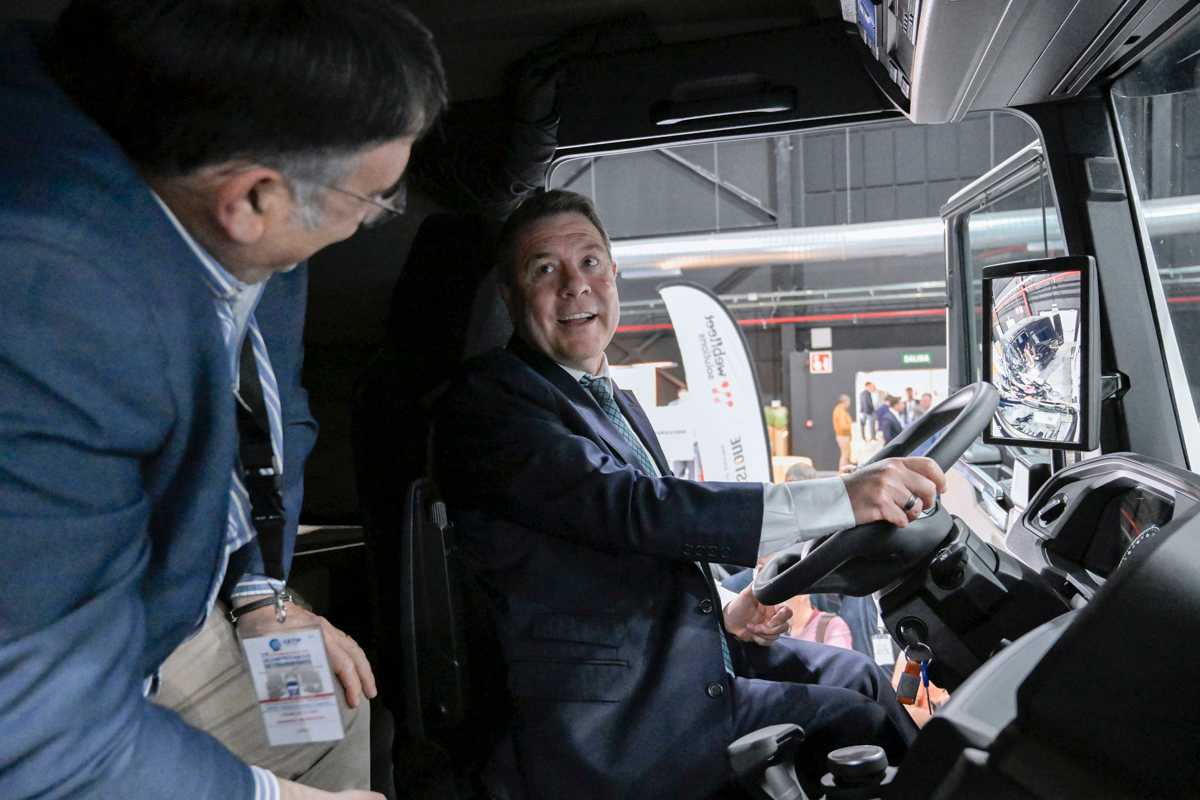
[
  {"x": 715, "y": 690},
  {"x": 706, "y": 606}
]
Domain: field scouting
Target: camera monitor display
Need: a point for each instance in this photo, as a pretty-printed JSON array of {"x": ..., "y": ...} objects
[{"x": 1039, "y": 352}]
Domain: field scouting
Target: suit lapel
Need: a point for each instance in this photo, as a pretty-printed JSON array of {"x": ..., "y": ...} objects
[
  {"x": 641, "y": 426},
  {"x": 581, "y": 400}
]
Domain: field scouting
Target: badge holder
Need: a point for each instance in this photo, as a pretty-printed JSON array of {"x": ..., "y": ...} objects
[
  {"x": 289, "y": 667},
  {"x": 294, "y": 684},
  {"x": 881, "y": 647}
]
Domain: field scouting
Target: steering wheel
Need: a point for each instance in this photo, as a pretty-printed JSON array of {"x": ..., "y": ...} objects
[{"x": 866, "y": 558}]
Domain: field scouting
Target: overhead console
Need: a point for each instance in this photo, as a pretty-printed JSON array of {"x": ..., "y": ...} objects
[
  {"x": 937, "y": 60},
  {"x": 761, "y": 82}
]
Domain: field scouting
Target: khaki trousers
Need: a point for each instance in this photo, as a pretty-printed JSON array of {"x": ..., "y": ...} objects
[
  {"x": 843, "y": 443},
  {"x": 206, "y": 680}
]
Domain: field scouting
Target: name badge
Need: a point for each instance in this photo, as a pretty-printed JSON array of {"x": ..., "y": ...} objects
[
  {"x": 295, "y": 687},
  {"x": 881, "y": 647}
]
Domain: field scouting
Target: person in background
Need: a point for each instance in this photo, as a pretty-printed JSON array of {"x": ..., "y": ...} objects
[
  {"x": 813, "y": 625},
  {"x": 843, "y": 427},
  {"x": 891, "y": 418},
  {"x": 924, "y": 406},
  {"x": 910, "y": 406},
  {"x": 866, "y": 411},
  {"x": 799, "y": 471}
]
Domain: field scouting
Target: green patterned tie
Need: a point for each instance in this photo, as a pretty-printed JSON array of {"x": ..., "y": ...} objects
[{"x": 601, "y": 389}]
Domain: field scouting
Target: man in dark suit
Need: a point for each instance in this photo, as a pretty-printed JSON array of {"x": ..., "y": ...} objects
[
  {"x": 866, "y": 411},
  {"x": 593, "y": 557},
  {"x": 891, "y": 418},
  {"x": 910, "y": 406},
  {"x": 166, "y": 166}
]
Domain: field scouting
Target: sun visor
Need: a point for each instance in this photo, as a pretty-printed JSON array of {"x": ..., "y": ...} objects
[{"x": 754, "y": 83}]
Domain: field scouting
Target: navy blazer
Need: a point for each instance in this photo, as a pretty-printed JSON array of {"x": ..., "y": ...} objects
[
  {"x": 117, "y": 441},
  {"x": 609, "y": 632},
  {"x": 866, "y": 402},
  {"x": 889, "y": 425}
]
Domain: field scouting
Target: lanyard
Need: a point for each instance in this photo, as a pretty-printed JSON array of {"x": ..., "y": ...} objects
[{"x": 259, "y": 475}]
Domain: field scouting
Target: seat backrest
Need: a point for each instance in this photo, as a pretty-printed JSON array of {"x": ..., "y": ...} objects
[{"x": 445, "y": 308}]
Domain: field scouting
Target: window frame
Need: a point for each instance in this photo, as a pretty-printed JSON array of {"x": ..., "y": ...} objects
[
  {"x": 1188, "y": 424},
  {"x": 1009, "y": 176}
]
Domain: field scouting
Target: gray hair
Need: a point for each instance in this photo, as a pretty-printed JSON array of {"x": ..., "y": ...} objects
[{"x": 309, "y": 174}]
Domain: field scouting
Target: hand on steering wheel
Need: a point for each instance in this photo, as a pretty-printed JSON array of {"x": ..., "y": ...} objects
[
  {"x": 896, "y": 490},
  {"x": 893, "y": 491}
]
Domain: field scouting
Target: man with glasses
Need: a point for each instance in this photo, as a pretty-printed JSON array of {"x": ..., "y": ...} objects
[
  {"x": 168, "y": 169},
  {"x": 390, "y": 203}
]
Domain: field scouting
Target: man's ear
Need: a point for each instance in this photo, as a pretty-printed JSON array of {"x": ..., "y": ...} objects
[
  {"x": 615, "y": 270},
  {"x": 249, "y": 202}
]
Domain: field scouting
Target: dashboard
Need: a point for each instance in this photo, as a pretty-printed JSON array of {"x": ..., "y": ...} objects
[
  {"x": 1087, "y": 517},
  {"x": 1045, "y": 706}
]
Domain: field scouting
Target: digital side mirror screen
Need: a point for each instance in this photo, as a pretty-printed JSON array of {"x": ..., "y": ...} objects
[{"x": 1040, "y": 352}]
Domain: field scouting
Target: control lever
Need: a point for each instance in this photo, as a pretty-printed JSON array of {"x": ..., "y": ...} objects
[
  {"x": 764, "y": 762},
  {"x": 857, "y": 773}
]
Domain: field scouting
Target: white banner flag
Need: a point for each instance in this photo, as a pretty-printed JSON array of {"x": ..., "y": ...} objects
[{"x": 723, "y": 392}]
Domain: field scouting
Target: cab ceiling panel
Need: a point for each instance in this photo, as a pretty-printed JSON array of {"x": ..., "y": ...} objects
[
  {"x": 749, "y": 83},
  {"x": 940, "y": 59}
]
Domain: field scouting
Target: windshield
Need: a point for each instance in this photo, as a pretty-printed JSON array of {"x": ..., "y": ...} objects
[
  {"x": 826, "y": 247},
  {"x": 1158, "y": 113}
]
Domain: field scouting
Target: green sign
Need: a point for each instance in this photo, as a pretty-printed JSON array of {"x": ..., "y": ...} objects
[{"x": 916, "y": 358}]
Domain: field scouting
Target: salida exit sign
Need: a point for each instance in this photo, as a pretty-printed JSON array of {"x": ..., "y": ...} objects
[{"x": 914, "y": 359}]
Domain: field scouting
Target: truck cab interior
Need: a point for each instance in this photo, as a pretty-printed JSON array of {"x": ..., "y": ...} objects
[{"x": 1060, "y": 593}]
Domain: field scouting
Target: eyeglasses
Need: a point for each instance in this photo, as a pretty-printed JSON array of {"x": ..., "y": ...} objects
[{"x": 392, "y": 203}]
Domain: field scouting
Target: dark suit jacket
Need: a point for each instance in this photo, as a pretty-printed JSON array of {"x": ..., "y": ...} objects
[
  {"x": 609, "y": 631},
  {"x": 117, "y": 442},
  {"x": 889, "y": 425},
  {"x": 866, "y": 402}
]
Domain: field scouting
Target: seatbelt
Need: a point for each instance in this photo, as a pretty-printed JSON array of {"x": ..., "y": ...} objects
[
  {"x": 823, "y": 620},
  {"x": 257, "y": 457}
]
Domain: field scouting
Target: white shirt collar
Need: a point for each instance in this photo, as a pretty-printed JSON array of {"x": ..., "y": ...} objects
[
  {"x": 577, "y": 374},
  {"x": 220, "y": 280}
]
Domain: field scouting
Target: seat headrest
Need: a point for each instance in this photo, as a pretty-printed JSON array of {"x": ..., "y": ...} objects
[{"x": 445, "y": 306}]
